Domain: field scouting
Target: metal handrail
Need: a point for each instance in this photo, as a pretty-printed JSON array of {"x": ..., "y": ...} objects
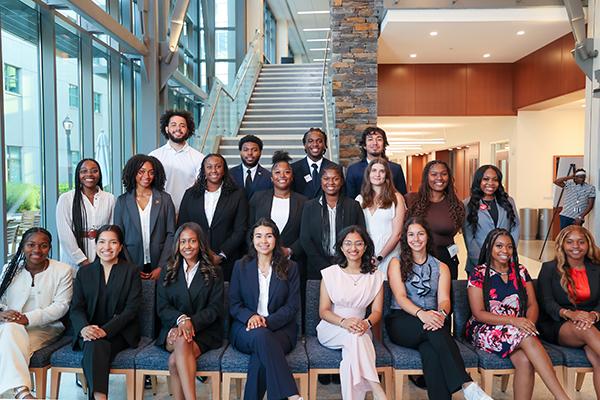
[
  {"x": 218, "y": 88},
  {"x": 327, "y": 42}
]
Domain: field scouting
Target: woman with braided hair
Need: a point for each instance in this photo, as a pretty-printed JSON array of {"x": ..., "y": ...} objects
[
  {"x": 190, "y": 307},
  {"x": 569, "y": 291},
  {"x": 35, "y": 293},
  {"x": 437, "y": 202},
  {"x": 505, "y": 310},
  {"x": 488, "y": 207}
]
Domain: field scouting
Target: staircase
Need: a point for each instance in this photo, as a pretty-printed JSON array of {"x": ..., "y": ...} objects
[{"x": 285, "y": 103}]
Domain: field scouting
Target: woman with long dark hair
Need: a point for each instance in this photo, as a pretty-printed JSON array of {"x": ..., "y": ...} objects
[
  {"x": 488, "y": 207},
  {"x": 505, "y": 310},
  {"x": 190, "y": 307},
  {"x": 35, "y": 292},
  {"x": 419, "y": 320},
  {"x": 437, "y": 203},
  {"x": 264, "y": 299},
  {"x": 384, "y": 209},
  {"x": 348, "y": 289},
  {"x": 220, "y": 208},
  {"x": 569, "y": 291},
  {"x": 81, "y": 212},
  {"x": 104, "y": 309},
  {"x": 146, "y": 215}
]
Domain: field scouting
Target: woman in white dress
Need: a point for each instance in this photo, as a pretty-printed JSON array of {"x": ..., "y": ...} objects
[
  {"x": 80, "y": 212},
  {"x": 384, "y": 209},
  {"x": 35, "y": 293},
  {"x": 347, "y": 290}
]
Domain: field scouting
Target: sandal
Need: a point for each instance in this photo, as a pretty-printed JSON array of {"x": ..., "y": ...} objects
[{"x": 22, "y": 392}]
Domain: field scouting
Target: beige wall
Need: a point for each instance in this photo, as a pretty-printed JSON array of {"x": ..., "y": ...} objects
[{"x": 254, "y": 20}]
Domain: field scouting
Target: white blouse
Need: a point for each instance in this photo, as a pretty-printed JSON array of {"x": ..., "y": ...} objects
[
  {"x": 145, "y": 224},
  {"x": 263, "y": 293},
  {"x": 280, "y": 212}
]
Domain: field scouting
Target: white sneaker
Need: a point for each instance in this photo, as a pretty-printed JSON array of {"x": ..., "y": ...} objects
[{"x": 474, "y": 392}]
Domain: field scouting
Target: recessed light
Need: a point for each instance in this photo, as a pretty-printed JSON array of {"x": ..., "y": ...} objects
[
  {"x": 317, "y": 40},
  {"x": 413, "y": 55},
  {"x": 487, "y": 55},
  {"x": 320, "y": 49},
  {"x": 583, "y": 105},
  {"x": 319, "y": 59},
  {"x": 520, "y": 33},
  {"x": 313, "y": 12},
  {"x": 433, "y": 33},
  {"x": 458, "y": 148},
  {"x": 316, "y": 29}
]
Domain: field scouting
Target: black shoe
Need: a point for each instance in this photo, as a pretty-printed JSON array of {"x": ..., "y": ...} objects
[
  {"x": 77, "y": 381},
  {"x": 201, "y": 379},
  {"x": 147, "y": 382},
  {"x": 325, "y": 379},
  {"x": 418, "y": 380},
  {"x": 335, "y": 378}
]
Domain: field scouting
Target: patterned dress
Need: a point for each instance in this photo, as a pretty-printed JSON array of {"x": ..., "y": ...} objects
[{"x": 504, "y": 300}]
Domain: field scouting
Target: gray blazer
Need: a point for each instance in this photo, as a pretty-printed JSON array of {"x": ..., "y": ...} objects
[
  {"x": 162, "y": 227},
  {"x": 484, "y": 225}
]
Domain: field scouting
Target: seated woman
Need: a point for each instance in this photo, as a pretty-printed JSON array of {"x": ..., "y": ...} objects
[
  {"x": 569, "y": 290},
  {"x": 264, "y": 299},
  {"x": 104, "y": 309},
  {"x": 505, "y": 310},
  {"x": 190, "y": 307},
  {"x": 35, "y": 292},
  {"x": 347, "y": 289},
  {"x": 419, "y": 318}
]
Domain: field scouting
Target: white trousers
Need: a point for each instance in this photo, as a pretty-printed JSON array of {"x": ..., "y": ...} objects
[{"x": 17, "y": 344}]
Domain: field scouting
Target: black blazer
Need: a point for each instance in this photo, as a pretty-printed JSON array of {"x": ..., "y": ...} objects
[
  {"x": 202, "y": 302},
  {"x": 552, "y": 296},
  {"x": 228, "y": 229},
  {"x": 124, "y": 296},
  {"x": 311, "y": 231},
  {"x": 162, "y": 227},
  {"x": 284, "y": 299},
  {"x": 301, "y": 170},
  {"x": 260, "y": 206},
  {"x": 262, "y": 179}
]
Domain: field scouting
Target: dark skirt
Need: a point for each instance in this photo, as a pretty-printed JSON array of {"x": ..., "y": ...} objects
[{"x": 550, "y": 328}]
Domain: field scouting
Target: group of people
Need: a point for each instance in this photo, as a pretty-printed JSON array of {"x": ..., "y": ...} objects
[{"x": 190, "y": 223}]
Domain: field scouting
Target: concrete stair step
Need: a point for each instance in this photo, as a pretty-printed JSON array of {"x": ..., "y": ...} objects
[
  {"x": 259, "y": 117},
  {"x": 228, "y": 140}
]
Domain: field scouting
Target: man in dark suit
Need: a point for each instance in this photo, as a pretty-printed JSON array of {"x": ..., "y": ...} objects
[
  {"x": 308, "y": 171},
  {"x": 250, "y": 175},
  {"x": 372, "y": 144}
]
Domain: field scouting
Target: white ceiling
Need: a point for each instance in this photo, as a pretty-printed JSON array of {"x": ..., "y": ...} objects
[{"x": 464, "y": 36}]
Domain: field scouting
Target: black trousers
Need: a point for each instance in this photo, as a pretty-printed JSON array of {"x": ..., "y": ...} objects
[
  {"x": 268, "y": 370},
  {"x": 97, "y": 356},
  {"x": 442, "y": 254},
  {"x": 443, "y": 366}
]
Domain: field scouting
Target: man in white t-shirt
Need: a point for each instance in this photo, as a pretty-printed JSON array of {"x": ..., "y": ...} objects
[{"x": 182, "y": 163}]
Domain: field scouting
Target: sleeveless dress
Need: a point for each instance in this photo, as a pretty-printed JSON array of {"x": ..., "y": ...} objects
[
  {"x": 379, "y": 226},
  {"x": 501, "y": 340},
  {"x": 351, "y": 295}
]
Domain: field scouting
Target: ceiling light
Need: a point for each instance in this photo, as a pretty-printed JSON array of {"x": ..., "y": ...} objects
[
  {"x": 520, "y": 33},
  {"x": 487, "y": 55},
  {"x": 316, "y": 29},
  {"x": 583, "y": 105},
  {"x": 319, "y": 59},
  {"x": 317, "y": 40},
  {"x": 413, "y": 55},
  {"x": 313, "y": 12},
  {"x": 458, "y": 148},
  {"x": 433, "y": 33},
  {"x": 320, "y": 49}
]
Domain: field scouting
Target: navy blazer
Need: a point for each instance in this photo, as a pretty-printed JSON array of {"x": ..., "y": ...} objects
[
  {"x": 124, "y": 297},
  {"x": 355, "y": 174},
  {"x": 261, "y": 181},
  {"x": 162, "y": 227},
  {"x": 202, "y": 302},
  {"x": 284, "y": 299},
  {"x": 301, "y": 170}
]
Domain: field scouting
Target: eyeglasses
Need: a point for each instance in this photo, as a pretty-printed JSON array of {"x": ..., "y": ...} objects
[{"x": 359, "y": 244}]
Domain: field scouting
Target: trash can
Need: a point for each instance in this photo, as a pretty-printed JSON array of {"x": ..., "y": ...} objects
[
  {"x": 544, "y": 221},
  {"x": 529, "y": 223}
]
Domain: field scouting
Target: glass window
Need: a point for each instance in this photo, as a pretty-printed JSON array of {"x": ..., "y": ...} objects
[
  {"x": 225, "y": 44},
  {"x": 22, "y": 114},
  {"x": 224, "y": 13},
  {"x": 270, "y": 37},
  {"x": 102, "y": 131},
  {"x": 68, "y": 103},
  {"x": 225, "y": 71}
]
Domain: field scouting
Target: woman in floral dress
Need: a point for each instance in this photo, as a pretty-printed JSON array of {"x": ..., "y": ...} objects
[{"x": 504, "y": 311}]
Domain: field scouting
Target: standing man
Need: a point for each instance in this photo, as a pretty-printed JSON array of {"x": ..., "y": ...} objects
[
  {"x": 250, "y": 175},
  {"x": 181, "y": 162},
  {"x": 309, "y": 170},
  {"x": 578, "y": 198},
  {"x": 372, "y": 145}
]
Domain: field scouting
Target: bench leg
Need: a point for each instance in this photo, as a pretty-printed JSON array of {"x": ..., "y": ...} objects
[
  {"x": 487, "y": 381},
  {"x": 139, "y": 385},
  {"x": 570, "y": 377},
  {"x": 313, "y": 380},
  {"x": 41, "y": 378},
  {"x": 304, "y": 386},
  {"x": 54, "y": 383},
  {"x": 226, "y": 386},
  {"x": 388, "y": 381},
  {"x": 130, "y": 382},
  {"x": 400, "y": 384}
]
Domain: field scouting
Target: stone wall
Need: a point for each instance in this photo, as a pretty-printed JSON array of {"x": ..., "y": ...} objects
[{"x": 354, "y": 32}]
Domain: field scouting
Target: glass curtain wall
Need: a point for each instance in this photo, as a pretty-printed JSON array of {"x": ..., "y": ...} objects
[{"x": 225, "y": 68}]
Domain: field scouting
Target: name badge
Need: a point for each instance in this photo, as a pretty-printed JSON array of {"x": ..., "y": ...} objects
[
  {"x": 452, "y": 250},
  {"x": 308, "y": 178}
]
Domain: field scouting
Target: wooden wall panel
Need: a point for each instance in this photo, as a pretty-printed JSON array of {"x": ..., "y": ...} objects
[
  {"x": 489, "y": 89},
  {"x": 398, "y": 94},
  {"x": 440, "y": 89}
]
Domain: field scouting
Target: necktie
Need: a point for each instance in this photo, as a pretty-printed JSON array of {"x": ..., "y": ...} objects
[
  {"x": 248, "y": 182},
  {"x": 315, "y": 175}
]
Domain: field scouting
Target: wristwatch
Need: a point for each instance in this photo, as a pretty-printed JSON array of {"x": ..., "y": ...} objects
[
  {"x": 379, "y": 258},
  {"x": 369, "y": 322}
]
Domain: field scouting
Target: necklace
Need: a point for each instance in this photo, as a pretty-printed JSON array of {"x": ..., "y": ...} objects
[{"x": 356, "y": 280}]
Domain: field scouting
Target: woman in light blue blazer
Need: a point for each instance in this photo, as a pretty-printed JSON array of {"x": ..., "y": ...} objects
[
  {"x": 146, "y": 215},
  {"x": 488, "y": 207}
]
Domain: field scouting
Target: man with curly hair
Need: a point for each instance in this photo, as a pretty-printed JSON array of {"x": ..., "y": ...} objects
[{"x": 180, "y": 161}]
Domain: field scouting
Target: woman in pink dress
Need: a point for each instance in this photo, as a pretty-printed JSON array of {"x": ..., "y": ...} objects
[{"x": 347, "y": 289}]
